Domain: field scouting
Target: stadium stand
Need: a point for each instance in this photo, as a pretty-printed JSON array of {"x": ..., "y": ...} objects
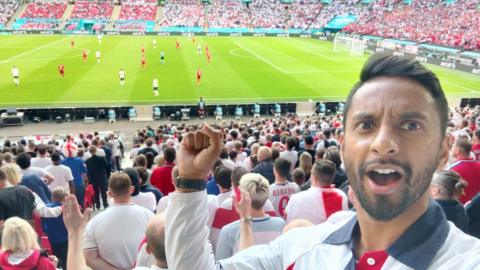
[
  {"x": 459, "y": 27},
  {"x": 44, "y": 10},
  {"x": 91, "y": 10},
  {"x": 185, "y": 13},
  {"x": 7, "y": 9}
]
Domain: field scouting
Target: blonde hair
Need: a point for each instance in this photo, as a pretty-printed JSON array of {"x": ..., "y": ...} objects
[
  {"x": 306, "y": 162},
  {"x": 18, "y": 236},
  {"x": 160, "y": 160},
  {"x": 258, "y": 187},
  {"x": 12, "y": 171}
]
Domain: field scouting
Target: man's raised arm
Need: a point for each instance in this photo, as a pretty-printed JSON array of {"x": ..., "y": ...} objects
[{"x": 186, "y": 242}]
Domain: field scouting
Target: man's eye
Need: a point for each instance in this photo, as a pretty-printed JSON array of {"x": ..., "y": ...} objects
[
  {"x": 366, "y": 125},
  {"x": 410, "y": 125}
]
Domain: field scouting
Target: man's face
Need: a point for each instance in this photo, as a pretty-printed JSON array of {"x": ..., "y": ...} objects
[{"x": 392, "y": 145}]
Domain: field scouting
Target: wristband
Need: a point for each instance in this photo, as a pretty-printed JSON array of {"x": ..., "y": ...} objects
[
  {"x": 247, "y": 219},
  {"x": 195, "y": 184}
]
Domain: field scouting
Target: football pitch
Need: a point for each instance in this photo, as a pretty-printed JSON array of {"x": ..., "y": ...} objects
[{"x": 242, "y": 70}]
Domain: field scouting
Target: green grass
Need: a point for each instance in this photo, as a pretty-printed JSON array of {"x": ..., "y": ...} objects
[{"x": 243, "y": 69}]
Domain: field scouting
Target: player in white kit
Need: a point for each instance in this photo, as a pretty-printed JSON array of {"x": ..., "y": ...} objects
[
  {"x": 162, "y": 57},
  {"x": 154, "y": 43},
  {"x": 155, "y": 87},
  {"x": 282, "y": 189},
  {"x": 199, "y": 49},
  {"x": 99, "y": 37},
  {"x": 98, "y": 54},
  {"x": 16, "y": 75},
  {"x": 121, "y": 75}
]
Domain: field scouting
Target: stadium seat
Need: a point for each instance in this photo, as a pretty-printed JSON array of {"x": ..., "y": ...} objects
[
  {"x": 157, "y": 113},
  {"x": 238, "y": 112},
  {"x": 132, "y": 115},
  {"x": 277, "y": 111},
  {"x": 185, "y": 114},
  {"x": 112, "y": 116},
  {"x": 218, "y": 113},
  {"x": 256, "y": 111}
]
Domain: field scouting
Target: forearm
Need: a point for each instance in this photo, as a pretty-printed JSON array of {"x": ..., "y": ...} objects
[
  {"x": 71, "y": 186},
  {"x": 75, "y": 258},
  {"x": 94, "y": 261},
  {"x": 43, "y": 211},
  {"x": 246, "y": 236},
  {"x": 186, "y": 242}
]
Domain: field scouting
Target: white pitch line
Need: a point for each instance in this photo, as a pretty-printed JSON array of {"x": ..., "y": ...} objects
[
  {"x": 170, "y": 100},
  {"x": 458, "y": 85},
  {"x": 261, "y": 58},
  {"x": 30, "y": 51}
]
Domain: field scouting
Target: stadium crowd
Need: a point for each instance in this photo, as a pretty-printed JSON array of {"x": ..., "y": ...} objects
[
  {"x": 7, "y": 9},
  {"x": 138, "y": 12},
  {"x": 459, "y": 27},
  {"x": 44, "y": 10},
  {"x": 289, "y": 172},
  {"x": 92, "y": 10}
]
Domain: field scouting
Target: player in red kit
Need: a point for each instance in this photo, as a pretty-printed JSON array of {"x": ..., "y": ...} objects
[
  {"x": 61, "y": 71},
  {"x": 143, "y": 50},
  {"x": 209, "y": 57},
  {"x": 72, "y": 44},
  {"x": 177, "y": 44},
  {"x": 199, "y": 76},
  {"x": 84, "y": 55},
  {"x": 144, "y": 62},
  {"x": 193, "y": 40},
  {"x": 207, "y": 51}
]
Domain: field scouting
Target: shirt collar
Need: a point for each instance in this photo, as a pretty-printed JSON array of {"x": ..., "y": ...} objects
[{"x": 416, "y": 247}]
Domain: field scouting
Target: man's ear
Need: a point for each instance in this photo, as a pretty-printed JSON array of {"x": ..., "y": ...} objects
[
  {"x": 444, "y": 154},
  {"x": 132, "y": 189},
  {"x": 148, "y": 249}
]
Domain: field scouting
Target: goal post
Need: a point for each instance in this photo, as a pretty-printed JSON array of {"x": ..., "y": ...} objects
[{"x": 356, "y": 47}]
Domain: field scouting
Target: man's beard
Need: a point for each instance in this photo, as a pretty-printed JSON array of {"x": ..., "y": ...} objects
[{"x": 388, "y": 207}]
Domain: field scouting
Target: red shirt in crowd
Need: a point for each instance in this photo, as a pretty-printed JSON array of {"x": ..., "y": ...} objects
[
  {"x": 476, "y": 151},
  {"x": 469, "y": 170},
  {"x": 162, "y": 178}
]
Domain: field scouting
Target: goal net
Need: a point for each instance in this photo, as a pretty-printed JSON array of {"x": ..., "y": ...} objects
[{"x": 356, "y": 47}]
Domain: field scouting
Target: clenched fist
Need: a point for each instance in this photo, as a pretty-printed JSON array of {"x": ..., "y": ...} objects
[{"x": 198, "y": 152}]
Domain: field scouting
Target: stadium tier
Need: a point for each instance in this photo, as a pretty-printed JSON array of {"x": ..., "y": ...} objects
[{"x": 92, "y": 10}]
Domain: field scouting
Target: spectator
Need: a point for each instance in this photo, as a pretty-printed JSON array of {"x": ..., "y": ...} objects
[
  {"x": 139, "y": 198},
  {"x": 145, "y": 187},
  {"x": 299, "y": 177},
  {"x": 148, "y": 148},
  {"x": 101, "y": 250},
  {"x": 281, "y": 191},
  {"x": 264, "y": 227},
  {"x": 265, "y": 164},
  {"x": 446, "y": 187},
  {"x": 476, "y": 144},
  {"x": 333, "y": 154},
  {"x": 305, "y": 163},
  {"x": 467, "y": 168},
  {"x": 23, "y": 160},
  {"x": 97, "y": 175},
  {"x": 223, "y": 178},
  {"x": 42, "y": 161},
  {"x": 321, "y": 200},
  {"x": 79, "y": 172},
  {"x": 55, "y": 228},
  {"x": 62, "y": 175},
  {"x": 154, "y": 245},
  {"x": 162, "y": 177},
  {"x": 20, "y": 249},
  {"x": 374, "y": 149},
  {"x": 473, "y": 212},
  {"x": 290, "y": 154}
]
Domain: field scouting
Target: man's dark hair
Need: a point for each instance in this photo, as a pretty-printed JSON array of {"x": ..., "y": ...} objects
[
  {"x": 237, "y": 174},
  {"x": 23, "y": 160},
  {"x": 42, "y": 149},
  {"x": 291, "y": 142},
  {"x": 282, "y": 167},
  {"x": 477, "y": 133},
  {"x": 119, "y": 184},
  {"x": 325, "y": 171},
  {"x": 308, "y": 140},
  {"x": 149, "y": 142},
  {"x": 386, "y": 65},
  {"x": 140, "y": 160},
  {"x": 223, "y": 177},
  {"x": 169, "y": 154},
  {"x": 134, "y": 179},
  {"x": 333, "y": 154},
  {"x": 234, "y": 134},
  {"x": 142, "y": 173},
  {"x": 55, "y": 157},
  {"x": 464, "y": 145}
]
